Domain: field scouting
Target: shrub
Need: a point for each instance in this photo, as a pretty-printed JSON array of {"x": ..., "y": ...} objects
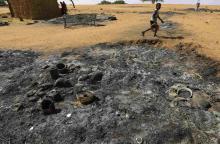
[
  {"x": 119, "y": 2},
  {"x": 103, "y": 2}
]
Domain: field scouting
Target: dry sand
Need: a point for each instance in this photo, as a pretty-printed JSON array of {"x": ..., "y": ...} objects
[{"x": 200, "y": 28}]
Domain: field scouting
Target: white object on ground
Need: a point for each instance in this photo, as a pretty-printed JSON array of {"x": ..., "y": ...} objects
[
  {"x": 31, "y": 128},
  {"x": 127, "y": 115},
  {"x": 139, "y": 140},
  {"x": 117, "y": 113},
  {"x": 68, "y": 115},
  {"x": 149, "y": 92}
]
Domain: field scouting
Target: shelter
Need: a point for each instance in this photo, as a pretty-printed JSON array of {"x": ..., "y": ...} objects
[{"x": 34, "y": 9}]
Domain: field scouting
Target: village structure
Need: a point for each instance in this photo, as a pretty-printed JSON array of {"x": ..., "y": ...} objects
[{"x": 34, "y": 9}]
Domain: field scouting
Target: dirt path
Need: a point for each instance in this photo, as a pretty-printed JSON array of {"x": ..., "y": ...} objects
[{"x": 198, "y": 28}]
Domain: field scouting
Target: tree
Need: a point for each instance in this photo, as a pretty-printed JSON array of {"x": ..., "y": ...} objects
[
  {"x": 115, "y": 2},
  {"x": 153, "y": 1},
  {"x": 103, "y": 2},
  {"x": 119, "y": 2}
]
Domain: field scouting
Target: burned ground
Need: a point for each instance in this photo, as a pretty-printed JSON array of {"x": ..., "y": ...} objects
[
  {"x": 83, "y": 19},
  {"x": 128, "y": 84}
]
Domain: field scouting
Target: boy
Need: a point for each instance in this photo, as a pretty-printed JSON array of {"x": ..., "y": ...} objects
[
  {"x": 197, "y": 5},
  {"x": 153, "y": 22}
]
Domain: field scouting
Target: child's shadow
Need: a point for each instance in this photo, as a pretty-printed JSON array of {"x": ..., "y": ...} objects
[{"x": 171, "y": 37}]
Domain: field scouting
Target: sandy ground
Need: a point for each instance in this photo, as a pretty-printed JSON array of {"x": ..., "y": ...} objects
[{"x": 200, "y": 28}]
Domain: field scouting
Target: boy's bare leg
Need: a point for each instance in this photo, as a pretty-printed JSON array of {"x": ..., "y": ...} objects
[
  {"x": 143, "y": 32},
  {"x": 156, "y": 30}
]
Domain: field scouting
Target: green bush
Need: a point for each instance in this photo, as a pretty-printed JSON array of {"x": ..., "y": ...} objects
[
  {"x": 105, "y": 2},
  {"x": 119, "y": 2}
]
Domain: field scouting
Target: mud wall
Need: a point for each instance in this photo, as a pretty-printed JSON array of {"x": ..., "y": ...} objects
[
  {"x": 35, "y": 9},
  {"x": 21, "y": 8},
  {"x": 45, "y": 9}
]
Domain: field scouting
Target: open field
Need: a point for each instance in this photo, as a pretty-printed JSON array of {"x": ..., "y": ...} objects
[{"x": 198, "y": 28}]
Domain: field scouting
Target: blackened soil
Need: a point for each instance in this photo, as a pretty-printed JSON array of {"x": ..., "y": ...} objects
[{"x": 129, "y": 85}]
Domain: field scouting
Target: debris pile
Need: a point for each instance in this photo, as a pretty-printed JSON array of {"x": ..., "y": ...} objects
[
  {"x": 110, "y": 93},
  {"x": 4, "y": 23}
]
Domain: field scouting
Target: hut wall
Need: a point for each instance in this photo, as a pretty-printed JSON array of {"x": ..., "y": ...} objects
[
  {"x": 22, "y": 8},
  {"x": 45, "y": 9},
  {"x": 35, "y": 9}
]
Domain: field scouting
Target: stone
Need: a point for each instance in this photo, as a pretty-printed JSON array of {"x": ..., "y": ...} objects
[
  {"x": 54, "y": 73},
  {"x": 46, "y": 86},
  {"x": 57, "y": 97},
  {"x": 34, "y": 99},
  {"x": 179, "y": 90},
  {"x": 40, "y": 94},
  {"x": 184, "y": 93},
  {"x": 84, "y": 77},
  {"x": 96, "y": 77},
  {"x": 79, "y": 88},
  {"x": 87, "y": 98},
  {"x": 45, "y": 67},
  {"x": 62, "y": 68},
  {"x": 62, "y": 82},
  {"x": 216, "y": 97},
  {"x": 200, "y": 100},
  {"x": 47, "y": 106},
  {"x": 75, "y": 68},
  {"x": 34, "y": 84},
  {"x": 31, "y": 93},
  {"x": 19, "y": 106}
]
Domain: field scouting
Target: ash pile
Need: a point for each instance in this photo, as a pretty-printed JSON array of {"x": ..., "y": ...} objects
[
  {"x": 110, "y": 93},
  {"x": 83, "y": 19}
]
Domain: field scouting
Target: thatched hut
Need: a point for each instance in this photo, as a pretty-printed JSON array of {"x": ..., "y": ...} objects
[{"x": 34, "y": 9}]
